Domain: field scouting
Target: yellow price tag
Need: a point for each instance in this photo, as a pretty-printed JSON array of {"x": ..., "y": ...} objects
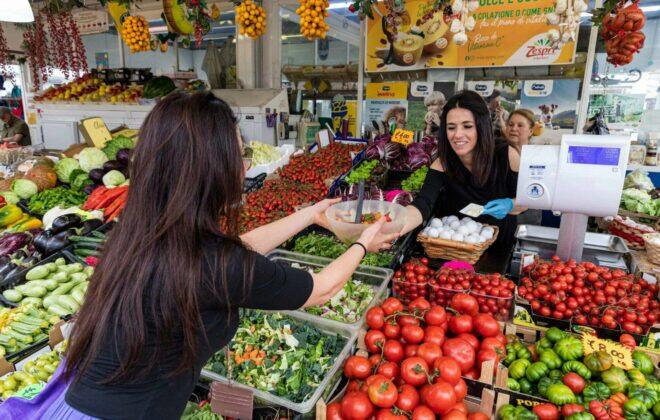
[
  {"x": 621, "y": 355},
  {"x": 404, "y": 137},
  {"x": 95, "y": 132}
]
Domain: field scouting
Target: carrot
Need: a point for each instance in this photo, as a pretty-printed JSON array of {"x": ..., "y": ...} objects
[
  {"x": 94, "y": 198},
  {"x": 109, "y": 197},
  {"x": 117, "y": 203}
]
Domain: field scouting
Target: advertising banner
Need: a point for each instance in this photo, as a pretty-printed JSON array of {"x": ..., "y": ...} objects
[
  {"x": 387, "y": 102},
  {"x": 554, "y": 102}
]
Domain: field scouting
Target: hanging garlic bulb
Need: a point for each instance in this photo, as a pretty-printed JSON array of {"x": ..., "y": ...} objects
[
  {"x": 473, "y": 5},
  {"x": 469, "y": 23},
  {"x": 553, "y": 35},
  {"x": 460, "y": 38},
  {"x": 553, "y": 18},
  {"x": 561, "y": 6},
  {"x": 456, "y": 26},
  {"x": 457, "y": 6}
]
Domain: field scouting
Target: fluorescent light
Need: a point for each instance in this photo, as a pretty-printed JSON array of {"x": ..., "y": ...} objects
[
  {"x": 341, "y": 5},
  {"x": 649, "y": 9},
  {"x": 16, "y": 11}
]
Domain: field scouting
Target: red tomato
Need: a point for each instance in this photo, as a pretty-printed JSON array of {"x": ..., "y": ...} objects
[
  {"x": 628, "y": 341},
  {"x": 434, "y": 334},
  {"x": 375, "y": 318},
  {"x": 357, "y": 367},
  {"x": 471, "y": 339},
  {"x": 393, "y": 351},
  {"x": 429, "y": 352},
  {"x": 440, "y": 397},
  {"x": 391, "y": 305},
  {"x": 546, "y": 411},
  {"x": 454, "y": 415},
  {"x": 353, "y": 386},
  {"x": 460, "y": 324},
  {"x": 374, "y": 340},
  {"x": 574, "y": 382},
  {"x": 460, "y": 406},
  {"x": 460, "y": 388},
  {"x": 414, "y": 371},
  {"x": 383, "y": 393},
  {"x": 419, "y": 305},
  {"x": 408, "y": 398},
  {"x": 464, "y": 304},
  {"x": 356, "y": 406},
  {"x": 390, "y": 370},
  {"x": 407, "y": 320},
  {"x": 570, "y": 409},
  {"x": 450, "y": 370},
  {"x": 485, "y": 325},
  {"x": 478, "y": 416},
  {"x": 411, "y": 350},
  {"x": 492, "y": 343},
  {"x": 461, "y": 351},
  {"x": 375, "y": 360},
  {"x": 412, "y": 334},
  {"x": 422, "y": 412},
  {"x": 387, "y": 414},
  {"x": 392, "y": 331},
  {"x": 487, "y": 355},
  {"x": 435, "y": 316},
  {"x": 333, "y": 411}
]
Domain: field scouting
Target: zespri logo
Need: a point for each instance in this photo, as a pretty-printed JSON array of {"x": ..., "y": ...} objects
[{"x": 540, "y": 49}]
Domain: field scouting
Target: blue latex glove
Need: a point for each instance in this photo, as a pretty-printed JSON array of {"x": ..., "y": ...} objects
[{"x": 498, "y": 208}]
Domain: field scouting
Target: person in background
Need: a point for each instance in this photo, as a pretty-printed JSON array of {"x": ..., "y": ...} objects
[
  {"x": 518, "y": 132},
  {"x": 15, "y": 131},
  {"x": 498, "y": 115}
]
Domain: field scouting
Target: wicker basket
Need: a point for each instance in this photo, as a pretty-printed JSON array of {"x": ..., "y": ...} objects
[
  {"x": 633, "y": 237},
  {"x": 652, "y": 249},
  {"x": 446, "y": 249}
]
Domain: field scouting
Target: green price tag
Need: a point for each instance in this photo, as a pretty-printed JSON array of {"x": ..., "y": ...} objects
[{"x": 30, "y": 391}]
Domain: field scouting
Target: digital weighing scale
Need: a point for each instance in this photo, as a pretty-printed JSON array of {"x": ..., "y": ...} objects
[{"x": 581, "y": 177}]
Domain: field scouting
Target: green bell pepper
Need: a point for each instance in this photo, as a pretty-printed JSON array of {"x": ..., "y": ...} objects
[
  {"x": 636, "y": 377},
  {"x": 596, "y": 391},
  {"x": 550, "y": 358},
  {"x": 556, "y": 374},
  {"x": 642, "y": 362},
  {"x": 517, "y": 368},
  {"x": 512, "y": 384},
  {"x": 543, "y": 385},
  {"x": 576, "y": 367},
  {"x": 656, "y": 409},
  {"x": 646, "y": 395},
  {"x": 554, "y": 334},
  {"x": 560, "y": 394},
  {"x": 581, "y": 416},
  {"x": 569, "y": 348},
  {"x": 525, "y": 386},
  {"x": 536, "y": 371},
  {"x": 543, "y": 343},
  {"x": 598, "y": 361},
  {"x": 615, "y": 378}
]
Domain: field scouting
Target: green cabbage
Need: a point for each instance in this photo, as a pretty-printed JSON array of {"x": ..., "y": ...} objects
[
  {"x": 91, "y": 158},
  {"x": 116, "y": 144},
  {"x": 24, "y": 188},
  {"x": 10, "y": 197},
  {"x": 113, "y": 179},
  {"x": 64, "y": 167},
  {"x": 638, "y": 179},
  {"x": 638, "y": 201}
]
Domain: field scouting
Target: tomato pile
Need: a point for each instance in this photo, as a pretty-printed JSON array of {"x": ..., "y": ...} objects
[
  {"x": 590, "y": 295},
  {"x": 493, "y": 292},
  {"x": 419, "y": 357},
  {"x": 314, "y": 169}
]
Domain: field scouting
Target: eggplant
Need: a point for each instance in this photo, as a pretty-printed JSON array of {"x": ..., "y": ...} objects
[
  {"x": 88, "y": 189},
  {"x": 124, "y": 156},
  {"x": 66, "y": 221},
  {"x": 30, "y": 261},
  {"x": 8, "y": 270},
  {"x": 96, "y": 175},
  {"x": 19, "y": 255},
  {"x": 91, "y": 225},
  {"x": 15, "y": 270},
  {"x": 112, "y": 165},
  {"x": 13, "y": 242}
]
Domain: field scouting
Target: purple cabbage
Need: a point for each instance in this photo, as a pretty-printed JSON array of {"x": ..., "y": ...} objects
[
  {"x": 417, "y": 157},
  {"x": 13, "y": 242},
  {"x": 392, "y": 151}
]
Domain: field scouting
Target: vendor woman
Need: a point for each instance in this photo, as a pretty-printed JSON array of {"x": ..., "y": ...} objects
[
  {"x": 166, "y": 294},
  {"x": 472, "y": 167}
]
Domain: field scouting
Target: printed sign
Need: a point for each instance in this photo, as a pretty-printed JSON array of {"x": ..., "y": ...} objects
[
  {"x": 387, "y": 102},
  {"x": 404, "y": 137},
  {"x": 91, "y": 21},
  {"x": 621, "y": 355},
  {"x": 498, "y": 33}
]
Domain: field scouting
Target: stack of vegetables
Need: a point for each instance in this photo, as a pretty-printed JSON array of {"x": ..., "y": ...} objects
[
  {"x": 399, "y": 157},
  {"x": 277, "y": 354},
  {"x": 40, "y": 369},
  {"x": 330, "y": 247},
  {"x": 556, "y": 368},
  {"x": 639, "y": 195},
  {"x": 110, "y": 200},
  {"x": 263, "y": 154},
  {"x": 22, "y": 327},
  {"x": 57, "y": 287},
  {"x": 199, "y": 412}
]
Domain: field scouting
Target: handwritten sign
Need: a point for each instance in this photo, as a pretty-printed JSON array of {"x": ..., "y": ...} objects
[
  {"x": 95, "y": 131},
  {"x": 621, "y": 355},
  {"x": 404, "y": 137}
]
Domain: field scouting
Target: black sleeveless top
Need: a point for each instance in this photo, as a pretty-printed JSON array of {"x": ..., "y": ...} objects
[{"x": 442, "y": 195}]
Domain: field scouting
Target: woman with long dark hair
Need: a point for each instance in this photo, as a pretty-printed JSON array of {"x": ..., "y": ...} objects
[
  {"x": 174, "y": 272},
  {"x": 472, "y": 167}
]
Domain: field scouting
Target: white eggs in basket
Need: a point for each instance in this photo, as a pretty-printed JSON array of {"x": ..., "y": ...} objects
[
  {"x": 433, "y": 232},
  {"x": 487, "y": 232},
  {"x": 463, "y": 230},
  {"x": 451, "y": 219},
  {"x": 472, "y": 226},
  {"x": 471, "y": 239},
  {"x": 436, "y": 223},
  {"x": 457, "y": 237},
  {"x": 446, "y": 234},
  {"x": 455, "y": 224}
]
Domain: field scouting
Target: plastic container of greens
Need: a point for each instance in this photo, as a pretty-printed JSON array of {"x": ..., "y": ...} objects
[
  {"x": 377, "y": 278},
  {"x": 327, "y": 385}
]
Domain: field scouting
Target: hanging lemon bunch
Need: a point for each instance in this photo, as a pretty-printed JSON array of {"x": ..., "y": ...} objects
[
  {"x": 312, "y": 18},
  {"x": 135, "y": 33},
  {"x": 251, "y": 19}
]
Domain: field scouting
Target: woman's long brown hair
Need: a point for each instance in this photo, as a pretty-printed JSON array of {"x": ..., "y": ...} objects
[{"x": 186, "y": 173}]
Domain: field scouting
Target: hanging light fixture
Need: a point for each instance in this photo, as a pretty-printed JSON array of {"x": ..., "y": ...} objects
[{"x": 16, "y": 11}]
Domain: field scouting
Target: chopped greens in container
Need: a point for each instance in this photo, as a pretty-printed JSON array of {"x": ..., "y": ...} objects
[
  {"x": 330, "y": 247},
  {"x": 277, "y": 354}
]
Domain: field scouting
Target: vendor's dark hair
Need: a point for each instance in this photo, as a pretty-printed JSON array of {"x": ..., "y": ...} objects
[
  {"x": 186, "y": 175},
  {"x": 484, "y": 151}
]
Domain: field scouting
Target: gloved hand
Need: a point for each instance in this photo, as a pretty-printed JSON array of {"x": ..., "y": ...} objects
[{"x": 498, "y": 208}]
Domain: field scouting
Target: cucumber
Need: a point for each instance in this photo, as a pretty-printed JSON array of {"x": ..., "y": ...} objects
[
  {"x": 32, "y": 300},
  {"x": 49, "y": 300},
  {"x": 67, "y": 302},
  {"x": 37, "y": 273},
  {"x": 58, "y": 310},
  {"x": 36, "y": 291},
  {"x": 12, "y": 295}
]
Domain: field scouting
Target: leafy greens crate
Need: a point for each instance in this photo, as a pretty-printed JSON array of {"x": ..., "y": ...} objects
[
  {"x": 376, "y": 279},
  {"x": 331, "y": 377}
]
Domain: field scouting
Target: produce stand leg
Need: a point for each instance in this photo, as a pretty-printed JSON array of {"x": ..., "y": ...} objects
[{"x": 572, "y": 229}]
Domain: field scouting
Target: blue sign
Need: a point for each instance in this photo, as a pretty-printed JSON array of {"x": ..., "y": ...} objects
[{"x": 587, "y": 155}]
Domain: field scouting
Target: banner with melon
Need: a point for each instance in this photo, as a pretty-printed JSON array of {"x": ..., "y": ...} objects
[{"x": 472, "y": 33}]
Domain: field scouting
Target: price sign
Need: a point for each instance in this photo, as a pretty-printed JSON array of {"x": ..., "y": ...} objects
[
  {"x": 404, "y": 137},
  {"x": 95, "y": 131},
  {"x": 621, "y": 355},
  {"x": 30, "y": 391}
]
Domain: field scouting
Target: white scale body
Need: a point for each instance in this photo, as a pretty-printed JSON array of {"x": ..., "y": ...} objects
[{"x": 583, "y": 175}]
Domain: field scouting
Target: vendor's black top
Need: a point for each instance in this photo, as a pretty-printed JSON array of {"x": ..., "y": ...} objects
[
  {"x": 159, "y": 396},
  {"x": 443, "y": 196}
]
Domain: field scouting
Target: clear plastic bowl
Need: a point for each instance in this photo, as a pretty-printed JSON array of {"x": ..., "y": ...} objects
[{"x": 340, "y": 214}]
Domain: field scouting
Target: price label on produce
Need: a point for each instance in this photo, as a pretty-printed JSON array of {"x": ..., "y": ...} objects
[
  {"x": 404, "y": 137},
  {"x": 621, "y": 355},
  {"x": 30, "y": 391}
]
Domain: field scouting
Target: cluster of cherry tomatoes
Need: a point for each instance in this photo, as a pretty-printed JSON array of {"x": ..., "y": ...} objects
[
  {"x": 316, "y": 168},
  {"x": 590, "y": 295},
  {"x": 493, "y": 292},
  {"x": 419, "y": 359}
]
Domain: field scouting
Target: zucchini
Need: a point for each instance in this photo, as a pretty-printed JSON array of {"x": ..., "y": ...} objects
[
  {"x": 23, "y": 338},
  {"x": 50, "y": 284},
  {"x": 12, "y": 295},
  {"x": 61, "y": 277},
  {"x": 64, "y": 288},
  {"x": 60, "y": 262},
  {"x": 36, "y": 291},
  {"x": 73, "y": 268},
  {"x": 66, "y": 301},
  {"x": 49, "y": 300},
  {"x": 58, "y": 310},
  {"x": 52, "y": 267},
  {"x": 78, "y": 295},
  {"x": 78, "y": 277},
  {"x": 37, "y": 273},
  {"x": 32, "y": 300}
]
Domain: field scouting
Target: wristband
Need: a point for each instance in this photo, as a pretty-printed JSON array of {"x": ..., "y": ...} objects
[{"x": 360, "y": 245}]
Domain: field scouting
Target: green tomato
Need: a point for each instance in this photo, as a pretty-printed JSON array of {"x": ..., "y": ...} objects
[
  {"x": 543, "y": 343},
  {"x": 517, "y": 368},
  {"x": 577, "y": 367},
  {"x": 581, "y": 416},
  {"x": 507, "y": 412},
  {"x": 536, "y": 371},
  {"x": 636, "y": 377},
  {"x": 550, "y": 358},
  {"x": 521, "y": 413},
  {"x": 642, "y": 362},
  {"x": 556, "y": 374},
  {"x": 554, "y": 334},
  {"x": 596, "y": 391},
  {"x": 615, "y": 378},
  {"x": 525, "y": 386},
  {"x": 598, "y": 361},
  {"x": 633, "y": 406},
  {"x": 656, "y": 409},
  {"x": 646, "y": 395},
  {"x": 512, "y": 384},
  {"x": 569, "y": 348},
  {"x": 560, "y": 394},
  {"x": 510, "y": 355},
  {"x": 543, "y": 385}
]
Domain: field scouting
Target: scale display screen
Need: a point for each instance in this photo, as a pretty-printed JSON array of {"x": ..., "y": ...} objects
[{"x": 588, "y": 155}]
